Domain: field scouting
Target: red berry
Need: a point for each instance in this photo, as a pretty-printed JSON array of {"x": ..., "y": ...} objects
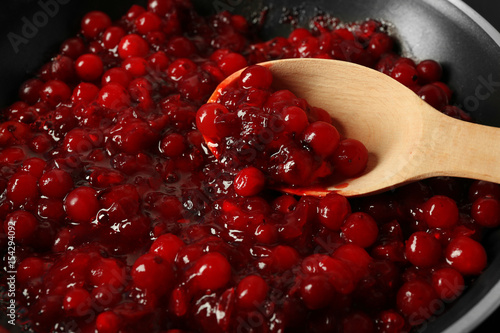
[
  {"x": 448, "y": 283},
  {"x": 81, "y": 204},
  {"x": 22, "y": 189},
  {"x": 360, "y": 229},
  {"x": 147, "y": 22},
  {"x": 108, "y": 322},
  {"x": 295, "y": 119},
  {"x": 429, "y": 71},
  {"x": 422, "y": 249},
  {"x": 486, "y": 212},
  {"x": 55, "y": 183},
  {"x": 249, "y": 181},
  {"x": 205, "y": 119},
  {"x": 211, "y": 272},
  {"x": 54, "y": 92},
  {"x": 322, "y": 137},
  {"x": 133, "y": 46},
  {"x": 466, "y": 255},
  {"x": 333, "y": 210},
  {"x": 173, "y": 145},
  {"x": 166, "y": 246},
  {"x": 440, "y": 212},
  {"x": 251, "y": 292},
  {"x": 94, "y": 23},
  {"x": 113, "y": 96},
  {"x": 417, "y": 300},
  {"x": 231, "y": 63},
  {"x": 153, "y": 274},
  {"x": 405, "y": 74},
  {"x": 256, "y": 77},
  {"x": 433, "y": 95},
  {"x": 350, "y": 158},
  {"x": 77, "y": 302},
  {"x": 23, "y": 224},
  {"x": 89, "y": 67}
]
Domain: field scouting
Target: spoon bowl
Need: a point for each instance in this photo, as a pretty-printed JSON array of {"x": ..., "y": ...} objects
[{"x": 406, "y": 138}]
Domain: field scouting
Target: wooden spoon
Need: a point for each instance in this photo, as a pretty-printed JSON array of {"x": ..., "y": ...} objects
[{"x": 407, "y": 139}]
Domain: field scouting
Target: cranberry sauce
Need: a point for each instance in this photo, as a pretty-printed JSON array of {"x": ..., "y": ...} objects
[
  {"x": 274, "y": 134},
  {"x": 125, "y": 222}
]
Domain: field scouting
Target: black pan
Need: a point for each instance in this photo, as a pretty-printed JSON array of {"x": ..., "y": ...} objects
[{"x": 447, "y": 31}]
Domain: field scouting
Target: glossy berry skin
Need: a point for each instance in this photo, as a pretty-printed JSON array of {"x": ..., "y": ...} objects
[
  {"x": 89, "y": 67},
  {"x": 360, "y": 229},
  {"x": 333, "y": 210},
  {"x": 23, "y": 223},
  {"x": 440, "y": 212},
  {"x": 422, "y": 249},
  {"x": 108, "y": 322},
  {"x": 211, "y": 272},
  {"x": 322, "y": 137},
  {"x": 415, "y": 299},
  {"x": 167, "y": 246},
  {"x": 429, "y": 71},
  {"x": 77, "y": 302},
  {"x": 448, "y": 283},
  {"x": 22, "y": 189},
  {"x": 81, "y": 204},
  {"x": 205, "y": 119},
  {"x": 251, "y": 292},
  {"x": 466, "y": 255},
  {"x": 433, "y": 95},
  {"x": 249, "y": 181},
  {"x": 55, "y": 183},
  {"x": 350, "y": 158},
  {"x": 486, "y": 212},
  {"x": 295, "y": 119},
  {"x": 173, "y": 145},
  {"x": 256, "y": 77},
  {"x": 94, "y": 23},
  {"x": 132, "y": 46},
  {"x": 153, "y": 274},
  {"x": 316, "y": 291}
]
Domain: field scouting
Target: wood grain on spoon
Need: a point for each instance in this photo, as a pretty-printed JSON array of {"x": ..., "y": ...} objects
[{"x": 407, "y": 139}]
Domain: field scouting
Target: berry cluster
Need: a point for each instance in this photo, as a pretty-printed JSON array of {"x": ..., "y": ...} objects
[{"x": 126, "y": 223}]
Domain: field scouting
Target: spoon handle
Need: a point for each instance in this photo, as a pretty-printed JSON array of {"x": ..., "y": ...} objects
[{"x": 461, "y": 149}]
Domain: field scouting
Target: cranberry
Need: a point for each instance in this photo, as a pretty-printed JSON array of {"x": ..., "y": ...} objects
[
  {"x": 440, "y": 212},
  {"x": 132, "y": 46},
  {"x": 433, "y": 95},
  {"x": 205, "y": 119},
  {"x": 211, "y": 272},
  {"x": 422, "y": 249},
  {"x": 81, "y": 204},
  {"x": 55, "y": 183},
  {"x": 333, "y": 210},
  {"x": 249, "y": 181},
  {"x": 295, "y": 119},
  {"x": 94, "y": 23},
  {"x": 251, "y": 292},
  {"x": 379, "y": 44},
  {"x": 316, "y": 291},
  {"x": 405, "y": 74},
  {"x": 486, "y": 212},
  {"x": 108, "y": 322},
  {"x": 167, "y": 246},
  {"x": 113, "y": 96},
  {"x": 84, "y": 93},
  {"x": 231, "y": 63},
  {"x": 116, "y": 75},
  {"x": 152, "y": 273},
  {"x": 429, "y": 71},
  {"x": 448, "y": 283},
  {"x": 256, "y": 77},
  {"x": 30, "y": 269},
  {"x": 30, "y": 91},
  {"x": 417, "y": 300},
  {"x": 112, "y": 36},
  {"x": 466, "y": 255},
  {"x": 360, "y": 229},
  {"x": 22, "y": 189},
  {"x": 357, "y": 258},
  {"x": 77, "y": 302},
  {"x": 322, "y": 137},
  {"x": 390, "y": 321},
  {"x": 481, "y": 188},
  {"x": 23, "y": 223},
  {"x": 147, "y": 22},
  {"x": 350, "y": 158},
  {"x": 54, "y": 92},
  {"x": 89, "y": 67},
  {"x": 73, "y": 47},
  {"x": 173, "y": 145}
]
